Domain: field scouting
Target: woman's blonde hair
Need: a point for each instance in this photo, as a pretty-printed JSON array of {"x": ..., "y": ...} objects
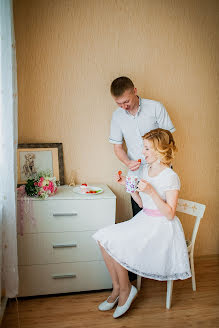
[{"x": 163, "y": 144}]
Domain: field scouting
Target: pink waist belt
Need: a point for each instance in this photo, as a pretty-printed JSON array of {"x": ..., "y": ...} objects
[{"x": 151, "y": 212}]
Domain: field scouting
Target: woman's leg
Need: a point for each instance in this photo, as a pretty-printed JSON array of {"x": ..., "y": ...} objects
[
  {"x": 112, "y": 271},
  {"x": 124, "y": 282}
]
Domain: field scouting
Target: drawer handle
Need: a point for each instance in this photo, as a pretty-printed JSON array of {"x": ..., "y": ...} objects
[
  {"x": 61, "y": 276},
  {"x": 65, "y": 214},
  {"x": 64, "y": 245}
]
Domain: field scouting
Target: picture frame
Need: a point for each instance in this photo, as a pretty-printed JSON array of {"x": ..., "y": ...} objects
[{"x": 36, "y": 157}]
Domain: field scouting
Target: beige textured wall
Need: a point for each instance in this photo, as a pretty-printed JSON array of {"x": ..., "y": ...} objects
[{"x": 68, "y": 52}]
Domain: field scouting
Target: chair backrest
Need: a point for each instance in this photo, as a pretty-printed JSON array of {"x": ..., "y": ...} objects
[{"x": 194, "y": 209}]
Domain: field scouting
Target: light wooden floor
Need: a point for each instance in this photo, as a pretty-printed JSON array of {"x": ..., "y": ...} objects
[{"x": 79, "y": 310}]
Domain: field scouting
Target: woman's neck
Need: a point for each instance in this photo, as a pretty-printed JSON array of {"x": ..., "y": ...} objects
[{"x": 156, "y": 167}]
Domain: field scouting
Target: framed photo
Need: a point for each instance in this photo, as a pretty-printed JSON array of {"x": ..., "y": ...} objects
[{"x": 33, "y": 158}]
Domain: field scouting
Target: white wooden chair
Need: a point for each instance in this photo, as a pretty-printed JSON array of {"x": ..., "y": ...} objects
[{"x": 197, "y": 210}]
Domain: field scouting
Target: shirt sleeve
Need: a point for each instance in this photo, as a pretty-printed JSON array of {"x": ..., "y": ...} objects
[
  {"x": 172, "y": 182},
  {"x": 163, "y": 119},
  {"x": 116, "y": 135}
]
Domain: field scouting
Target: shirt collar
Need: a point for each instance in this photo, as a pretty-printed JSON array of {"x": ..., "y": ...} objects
[{"x": 139, "y": 107}]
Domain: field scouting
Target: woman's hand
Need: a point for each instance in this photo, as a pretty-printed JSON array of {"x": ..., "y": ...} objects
[
  {"x": 120, "y": 179},
  {"x": 146, "y": 187}
]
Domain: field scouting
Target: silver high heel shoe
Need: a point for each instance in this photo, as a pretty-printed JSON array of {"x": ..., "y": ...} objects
[
  {"x": 120, "y": 310},
  {"x": 105, "y": 306}
]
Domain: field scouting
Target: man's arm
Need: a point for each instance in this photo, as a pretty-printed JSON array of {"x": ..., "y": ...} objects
[
  {"x": 121, "y": 154},
  {"x": 123, "y": 157}
]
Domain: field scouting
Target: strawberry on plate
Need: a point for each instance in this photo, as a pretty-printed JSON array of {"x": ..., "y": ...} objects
[{"x": 85, "y": 189}]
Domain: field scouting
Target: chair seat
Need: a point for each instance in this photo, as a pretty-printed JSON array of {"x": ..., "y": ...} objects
[{"x": 189, "y": 245}]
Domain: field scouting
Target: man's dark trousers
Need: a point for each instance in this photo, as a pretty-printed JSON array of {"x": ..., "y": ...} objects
[{"x": 135, "y": 210}]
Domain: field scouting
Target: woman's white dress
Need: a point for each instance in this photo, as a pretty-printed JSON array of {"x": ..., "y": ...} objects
[{"x": 150, "y": 246}]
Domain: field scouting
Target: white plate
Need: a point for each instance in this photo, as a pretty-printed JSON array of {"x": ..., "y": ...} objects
[{"x": 78, "y": 190}]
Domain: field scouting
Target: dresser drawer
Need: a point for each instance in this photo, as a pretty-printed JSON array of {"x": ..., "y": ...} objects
[
  {"x": 44, "y": 248},
  {"x": 70, "y": 215},
  {"x": 63, "y": 278}
]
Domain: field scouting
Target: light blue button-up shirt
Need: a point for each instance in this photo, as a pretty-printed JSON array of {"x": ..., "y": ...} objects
[{"x": 125, "y": 126}]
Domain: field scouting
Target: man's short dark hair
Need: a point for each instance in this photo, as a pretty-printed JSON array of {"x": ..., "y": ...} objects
[{"x": 120, "y": 85}]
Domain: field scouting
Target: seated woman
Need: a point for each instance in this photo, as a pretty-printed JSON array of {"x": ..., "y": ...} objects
[{"x": 152, "y": 244}]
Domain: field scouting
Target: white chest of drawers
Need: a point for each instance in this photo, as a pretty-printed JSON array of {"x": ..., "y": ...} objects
[{"x": 57, "y": 254}]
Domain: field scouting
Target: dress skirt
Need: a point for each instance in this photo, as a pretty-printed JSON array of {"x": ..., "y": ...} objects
[{"x": 152, "y": 247}]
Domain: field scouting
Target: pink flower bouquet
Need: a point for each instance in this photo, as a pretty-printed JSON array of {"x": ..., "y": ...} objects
[{"x": 42, "y": 186}]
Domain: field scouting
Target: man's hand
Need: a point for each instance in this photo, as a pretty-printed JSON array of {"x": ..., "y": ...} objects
[
  {"x": 133, "y": 165},
  {"x": 123, "y": 157}
]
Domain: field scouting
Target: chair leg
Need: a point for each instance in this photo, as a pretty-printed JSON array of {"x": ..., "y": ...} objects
[
  {"x": 169, "y": 293},
  {"x": 138, "y": 282},
  {"x": 193, "y": 272}
]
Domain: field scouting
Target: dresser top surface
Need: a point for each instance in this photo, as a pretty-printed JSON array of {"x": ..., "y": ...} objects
[{"x": 66, "y": 192}]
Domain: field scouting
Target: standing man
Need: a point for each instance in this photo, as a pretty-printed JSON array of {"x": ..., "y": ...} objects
[{"x": 134, "y": 117}]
